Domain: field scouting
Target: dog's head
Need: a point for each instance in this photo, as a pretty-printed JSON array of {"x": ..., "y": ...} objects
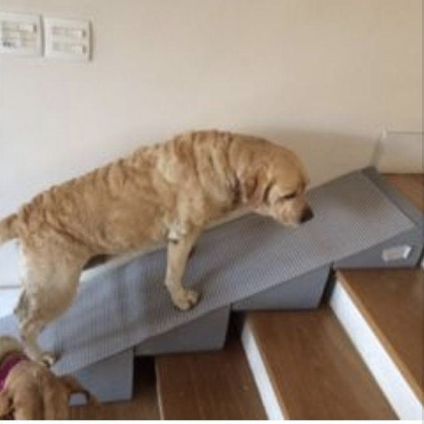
[
  {"x": 8, "y": 344},
  {"x": 275, "y": 185}
]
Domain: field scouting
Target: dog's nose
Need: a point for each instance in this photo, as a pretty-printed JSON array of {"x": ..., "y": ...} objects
[{"x": 307, "y": 215}]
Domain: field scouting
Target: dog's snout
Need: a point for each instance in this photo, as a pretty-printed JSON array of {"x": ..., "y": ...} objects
[{"x": 307, "y": 215}]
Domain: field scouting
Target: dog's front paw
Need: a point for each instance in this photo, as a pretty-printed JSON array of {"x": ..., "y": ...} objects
[
  {"x": 186, "y": 299},
  {"x": 48, "y": 359}
]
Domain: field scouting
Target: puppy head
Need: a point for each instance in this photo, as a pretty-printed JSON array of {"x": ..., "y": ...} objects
[
  {"x": 276, "y": 188},
  {"x": 9, "y": 344}
]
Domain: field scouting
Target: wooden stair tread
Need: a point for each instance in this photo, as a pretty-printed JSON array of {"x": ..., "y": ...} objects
[
  {"x": 392, "y": 301},
  {"x": 411, "y": 186},
  {"x": 314, "y": 368},
  {"x": 215, "y": 385},
  {"x": 144, "y": 405}
]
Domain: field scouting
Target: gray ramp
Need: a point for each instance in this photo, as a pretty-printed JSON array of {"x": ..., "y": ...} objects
[
  {"x": 303, "y": 292},
  {"x": 402, "y": 250},
  {"x": 110, "y": 380},
  {"x": 233, "y": 262},
  {"x": 203, "y": 334}
]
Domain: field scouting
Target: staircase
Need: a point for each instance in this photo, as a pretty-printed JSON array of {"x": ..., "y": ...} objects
[
  {"x": 359, "y": 356},
  {"x": 217, "y": 385}
]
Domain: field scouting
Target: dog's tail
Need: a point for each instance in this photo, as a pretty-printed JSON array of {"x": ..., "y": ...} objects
[{"x": 8, "y": 228}]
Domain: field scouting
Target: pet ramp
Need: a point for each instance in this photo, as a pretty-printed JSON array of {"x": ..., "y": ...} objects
[{"x": 248, "y": 264}]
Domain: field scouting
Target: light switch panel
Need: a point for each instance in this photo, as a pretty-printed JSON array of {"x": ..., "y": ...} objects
[
  {"x": 67, "y": 39},
  {"x": 20, "y": 34}
]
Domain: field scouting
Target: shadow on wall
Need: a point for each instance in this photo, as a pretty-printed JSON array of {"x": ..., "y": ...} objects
[{"x": 325, "y": 155}]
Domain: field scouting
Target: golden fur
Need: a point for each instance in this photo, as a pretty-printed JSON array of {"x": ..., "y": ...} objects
[
  {"x": 34, "y": 392},
  {"x": 167, "y": 192}
]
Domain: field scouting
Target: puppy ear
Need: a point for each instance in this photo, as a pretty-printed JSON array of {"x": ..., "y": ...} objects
[{"x": 6, "y": 404}]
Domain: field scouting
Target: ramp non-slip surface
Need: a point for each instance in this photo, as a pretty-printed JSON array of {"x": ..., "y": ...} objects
[{"x": 235, "y": 261}]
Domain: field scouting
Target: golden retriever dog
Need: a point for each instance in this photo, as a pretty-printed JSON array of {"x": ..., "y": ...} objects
[
  {"x": 30, "y": 391},
  {"x": 168, "y": 192}
]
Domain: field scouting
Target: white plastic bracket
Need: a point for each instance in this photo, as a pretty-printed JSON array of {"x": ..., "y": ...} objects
[{"x": 396, "y": 253}]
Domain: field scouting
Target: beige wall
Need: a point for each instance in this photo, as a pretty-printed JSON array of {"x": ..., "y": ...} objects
[{"x": 323, "y": 76}]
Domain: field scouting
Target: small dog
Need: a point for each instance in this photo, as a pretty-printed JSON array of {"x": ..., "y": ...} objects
[
  {"x": 30, "y": 391},
  {"x": 164, "y": 192}
]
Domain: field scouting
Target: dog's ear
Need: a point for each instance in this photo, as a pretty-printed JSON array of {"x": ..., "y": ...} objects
[
  {"x": 254, "y": 188},
  {"x": 6, "y": 404}
]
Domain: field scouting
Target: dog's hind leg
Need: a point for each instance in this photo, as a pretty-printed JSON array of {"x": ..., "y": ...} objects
[
  {"x": 30, "y": 330},
  {"x": 50, "y": 286}
]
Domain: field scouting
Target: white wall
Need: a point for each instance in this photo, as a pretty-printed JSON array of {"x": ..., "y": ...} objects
[{"x": 322, "y": 76}]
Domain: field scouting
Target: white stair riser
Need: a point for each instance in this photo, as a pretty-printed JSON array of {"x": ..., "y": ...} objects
[
  {"x": 398, "y": 392},
  {"x": 260, "y": 374}
]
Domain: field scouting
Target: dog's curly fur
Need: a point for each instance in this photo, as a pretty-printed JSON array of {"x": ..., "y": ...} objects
[
  {"x": 34, "y": 392},
  {"x": 168, "y": 192}
]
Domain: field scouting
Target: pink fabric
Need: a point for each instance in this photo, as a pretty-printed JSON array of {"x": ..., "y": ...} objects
[{"x": 7, "y": 366}]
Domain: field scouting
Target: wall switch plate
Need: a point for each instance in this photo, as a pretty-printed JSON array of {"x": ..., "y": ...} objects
[
  {"x": 20, "y": 34},
  {"x": 67, "y": 39}
]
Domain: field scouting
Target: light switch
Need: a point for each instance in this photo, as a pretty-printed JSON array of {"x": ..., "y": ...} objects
[
  {"x": 20, "y": 34},
  {"x": 67, "y": 39}
]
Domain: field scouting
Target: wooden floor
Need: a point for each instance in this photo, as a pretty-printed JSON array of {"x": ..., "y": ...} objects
[
  {"x": 144, "y": 406},
  {"x": 392, "y": 301},
  {"x": 216, "y": 385},
  {"x": 410, "y": 185},
  {"x": 315, "y": 370}
]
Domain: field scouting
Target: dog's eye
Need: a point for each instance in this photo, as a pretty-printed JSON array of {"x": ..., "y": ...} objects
[{"x": 289, "y": 196}]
